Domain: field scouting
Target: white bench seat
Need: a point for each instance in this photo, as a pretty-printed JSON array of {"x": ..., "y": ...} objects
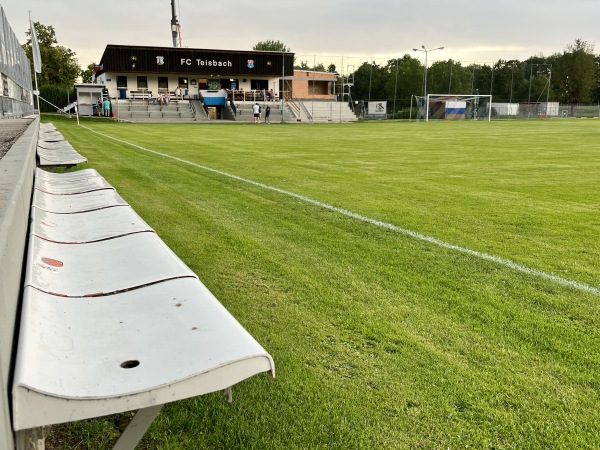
[
  {"x": 53, "y": 150},
  {"x": 90, "y": 226},
  {"x": 63, "y": 177},
  {"x": 102, "y": 267},
  {"x": 52, "y": 177},
  {"x": 111, "y": 319},
  {"x": 51, "y": 136},
  {"x": 89, "y": 357},
  {"x": 76, "y": 203},
  {"x": 59, "y": 158},
  {"x": 73, "y": 186},
  {"x": 52, "y": 145}
]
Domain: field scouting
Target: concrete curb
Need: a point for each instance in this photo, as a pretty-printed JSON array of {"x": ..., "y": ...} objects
[{"x": 16, "y": 186}]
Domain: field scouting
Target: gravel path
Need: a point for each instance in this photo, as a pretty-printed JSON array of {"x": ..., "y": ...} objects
[{"x": 10, "y": 131}]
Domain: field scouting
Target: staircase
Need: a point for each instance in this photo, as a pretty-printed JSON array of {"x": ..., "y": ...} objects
[
  {"x": 69, "y": 107},
  {"x": 321, "y": 111}
]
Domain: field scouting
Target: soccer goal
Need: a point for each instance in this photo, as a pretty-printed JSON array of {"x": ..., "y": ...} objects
[{"x": 454, "y": 107}]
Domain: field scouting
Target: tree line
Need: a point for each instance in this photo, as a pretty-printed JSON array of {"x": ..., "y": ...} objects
[{"x": 571, "y": 76}]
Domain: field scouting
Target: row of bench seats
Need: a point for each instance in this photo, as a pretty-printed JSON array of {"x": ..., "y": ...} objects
[
  {"x": 54, "y": 151},
  {"x": 111, "y": 319},
  {"x": 147, "y": 95}
]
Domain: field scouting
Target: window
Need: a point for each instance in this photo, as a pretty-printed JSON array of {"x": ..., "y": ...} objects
[
  {"x": 214, "y": 85},
  {"x": 259, "y": 85},
  {"x": 142, "y": 83},
  {"x": 121, "y": 82},
  {"x": 163, "y": 84}
]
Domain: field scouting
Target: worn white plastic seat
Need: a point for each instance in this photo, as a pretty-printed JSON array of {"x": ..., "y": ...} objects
[
  {"x": 82, "y": 358},
  {"x": 103, "y": 267},
  {"x": 89, "y": 226},
  {"x": 59, "y": 157},
  {"x": 46, "y": 126},
  {"x": 53, "y": 150},
  {"x": 55, "y": 145},
  {"x": 87, "y": 201},
  {"x": 69, "y": 176},
  {"x": 59, "y": 187},
  {"x": 50, "y": 136}
]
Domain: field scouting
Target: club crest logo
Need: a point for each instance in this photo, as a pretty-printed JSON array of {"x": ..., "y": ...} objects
[
  {"x": 160, "y": 60},
  {"x": 250, "y": 64}
]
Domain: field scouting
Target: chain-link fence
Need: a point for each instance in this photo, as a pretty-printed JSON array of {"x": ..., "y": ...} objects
[{"x": 16, "y": 93}]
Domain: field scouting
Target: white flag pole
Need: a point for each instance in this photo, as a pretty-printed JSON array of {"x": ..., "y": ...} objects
[{"x": 37, "y": 60}]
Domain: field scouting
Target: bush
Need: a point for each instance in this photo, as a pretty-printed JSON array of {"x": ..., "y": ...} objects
[{"x": 58, "y": 96}]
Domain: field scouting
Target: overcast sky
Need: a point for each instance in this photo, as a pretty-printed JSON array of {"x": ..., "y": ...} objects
[{"x": 322, "y": 30}]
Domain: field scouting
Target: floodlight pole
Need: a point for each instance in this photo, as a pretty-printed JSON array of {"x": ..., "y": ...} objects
[
  {"x": 530, "y": 81},
  {"x": 282, "y": 93},
  {"x": 395, "y": 88},
  {"x": 423, "y": 49},
  {"x": 529, "y": 97}
]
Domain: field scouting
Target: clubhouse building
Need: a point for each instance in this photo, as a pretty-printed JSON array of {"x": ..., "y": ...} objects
[
  {"x": 218, "y": 84},
  {"x": 128, "y": 71}
]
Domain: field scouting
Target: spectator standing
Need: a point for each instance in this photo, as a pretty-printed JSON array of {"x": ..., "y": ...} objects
[
  {"x": 256, "y": 111},
  {"x": 107, "y": 107}
]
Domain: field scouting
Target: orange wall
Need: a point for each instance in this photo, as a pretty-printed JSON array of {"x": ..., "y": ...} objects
[{"x": 307, "y": 84}]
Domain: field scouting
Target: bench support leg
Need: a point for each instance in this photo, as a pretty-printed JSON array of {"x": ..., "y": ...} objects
[
  {"x": 31, "y": 439},
  {"x": 136, "y": 428}
]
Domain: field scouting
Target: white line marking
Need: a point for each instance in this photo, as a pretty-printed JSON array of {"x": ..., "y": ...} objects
[{"x": 484, "y": 256}]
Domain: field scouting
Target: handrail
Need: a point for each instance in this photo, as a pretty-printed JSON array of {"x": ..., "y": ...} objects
[
  {"x": 301, "y": 106},
  {"x": 308, "y": 114}
]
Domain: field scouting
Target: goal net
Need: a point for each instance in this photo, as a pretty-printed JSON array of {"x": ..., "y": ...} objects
[{"x": 454, "y": 107}]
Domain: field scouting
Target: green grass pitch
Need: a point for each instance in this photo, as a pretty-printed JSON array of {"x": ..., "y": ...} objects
[{"x": 373, "y": 261}]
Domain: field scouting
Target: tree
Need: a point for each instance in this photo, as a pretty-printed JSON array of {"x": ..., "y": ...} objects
[
  {"x": 405, "y": 79},
  {"x": 369, "y": 82},
  {"x": 574, "y": 73},
  {"x": 59, "y": 64},
  {"x": 302, "y": 66},
  {"x": 596, "y": 88},
  {"x": 87, "y": 75},
  {"x": 508, "y": 80},
  {"x": 271, "y": 46}
]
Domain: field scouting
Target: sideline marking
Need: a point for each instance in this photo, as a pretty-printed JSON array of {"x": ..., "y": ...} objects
[{"x": 484, "y": 256}]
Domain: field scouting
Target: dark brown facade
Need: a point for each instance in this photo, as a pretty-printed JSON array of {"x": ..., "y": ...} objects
[{"x": 121, "y": 58}]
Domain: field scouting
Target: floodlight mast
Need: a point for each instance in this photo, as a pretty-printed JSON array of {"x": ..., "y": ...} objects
[
  {"x": 423, "y": 49},
  {"x": 175, "y": 27}
]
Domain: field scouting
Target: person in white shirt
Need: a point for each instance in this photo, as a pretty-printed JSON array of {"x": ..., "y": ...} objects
[{"x": 256, "y": 111}]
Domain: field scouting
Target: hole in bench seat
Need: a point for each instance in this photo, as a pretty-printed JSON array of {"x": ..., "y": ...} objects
[{"x": 130, "y": 364}]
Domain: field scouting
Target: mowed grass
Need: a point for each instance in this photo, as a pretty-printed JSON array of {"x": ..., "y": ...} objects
[{"x": 380, "y": 340}]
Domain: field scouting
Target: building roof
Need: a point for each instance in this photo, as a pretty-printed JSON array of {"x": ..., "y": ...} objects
[{"x": 141, "y": 59}]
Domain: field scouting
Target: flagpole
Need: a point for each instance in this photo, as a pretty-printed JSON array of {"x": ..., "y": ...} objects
[
  {"x": 37, "y": 60},
  {"x": 37, "y": 91}
]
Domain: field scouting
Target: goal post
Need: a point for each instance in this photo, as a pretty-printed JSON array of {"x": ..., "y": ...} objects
[{"x": 454, "y": 107}]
